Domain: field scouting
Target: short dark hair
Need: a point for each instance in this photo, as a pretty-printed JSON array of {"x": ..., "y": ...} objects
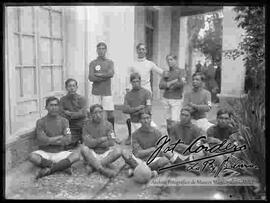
[
  {"x": 145, "y": 112},
  {"x": 140, "y": 44},
  {"x": 134, "y": 75},
  {"x": 102, "y": 44},
  {"x": 224, "y": 111},
  {"x": 70, "y": 80},
  {"x": 172, "y": 55},
  {"x": 202, "y": 76},
  {"x": 49, "y": 99},
  {"x": 94, "y": 106},
  {"x": 186, "y": 108}
]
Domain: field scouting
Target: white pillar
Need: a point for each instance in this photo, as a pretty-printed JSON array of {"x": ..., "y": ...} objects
[
  {"x": 182, "y": 42},
  {"x": 75, "y": 45},
  {"x": 163, "y": 46},
  {"x": 232, "y": 71}
]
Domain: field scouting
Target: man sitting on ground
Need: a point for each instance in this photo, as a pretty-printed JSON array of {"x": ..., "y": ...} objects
[
  {"x": 98, "y": 140},
  {"x": 187, "y": 132},
  {"x": 73, "y": 108},
  {"x": 199, "y": 99},
  {"x": 53, "y": 134},
  {"x": 224, "y": 130},
  {"x": 143, "y": 145},
  {"x": 137, "y": 101}
]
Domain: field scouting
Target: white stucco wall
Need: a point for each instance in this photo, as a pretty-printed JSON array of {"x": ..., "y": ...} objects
[
  {"x": 139, "y": 31},
  {"x": 233, "y": 71},
  {"x": 75, "y": 45}
]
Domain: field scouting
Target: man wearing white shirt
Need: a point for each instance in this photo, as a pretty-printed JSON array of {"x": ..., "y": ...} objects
[{"x": 144, "y": 68}]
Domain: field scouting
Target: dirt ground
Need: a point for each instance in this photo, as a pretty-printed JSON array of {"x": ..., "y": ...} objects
[{"x": 20, "y": 182}]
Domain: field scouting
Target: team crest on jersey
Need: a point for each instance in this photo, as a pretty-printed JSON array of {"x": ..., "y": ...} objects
[
  {"x": 97, "y": 68},
  {"x": 68, "y": 131},
  {"x": 113, "y": 135},
  {"x": 183, "y": 79}
]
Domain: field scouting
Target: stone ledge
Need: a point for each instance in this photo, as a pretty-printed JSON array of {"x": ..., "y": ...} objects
[
  {"x": 229, "y": 100},
  {"x": 232, "y": 96}
]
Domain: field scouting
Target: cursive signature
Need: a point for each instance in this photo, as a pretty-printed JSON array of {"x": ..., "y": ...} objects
[
  {"x": 226, "y": 166},
  {"x": 222, "y": 148}
]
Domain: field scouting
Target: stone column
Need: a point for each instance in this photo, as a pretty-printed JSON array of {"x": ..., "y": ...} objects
[
  {"x": 183, "y": 43},
  {"x": 163, "y": 46},
  {"x": 175, "y": 29},
  {"x": 232, "y": 71},
  {"x": 75, "y": 46}
]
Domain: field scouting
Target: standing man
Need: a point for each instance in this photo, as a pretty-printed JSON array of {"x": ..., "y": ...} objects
[
  {"x": 198, "y": 67},
  {"x": 172, "y": 82},
  {"x": 101, "y": 70},
  {"x": 73, "y": 108},
  {"x": 210, "y": 81},
  {"x": 52, "y": 134},
  {"x": 199, "y": 99},
  {"x": 144, "y": 68},
  {"x": 138, "y": 100}
]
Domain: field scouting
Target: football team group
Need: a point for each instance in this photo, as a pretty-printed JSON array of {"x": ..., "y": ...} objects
[{"x": 70, "y": 125}]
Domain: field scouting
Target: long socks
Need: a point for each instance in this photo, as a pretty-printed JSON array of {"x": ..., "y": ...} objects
[
  {"x": 45, "y": 163},
  {"x": 61, "y": 165}
]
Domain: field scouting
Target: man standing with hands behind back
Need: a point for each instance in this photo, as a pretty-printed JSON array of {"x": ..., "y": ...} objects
[{"x": 101, "y": 70}]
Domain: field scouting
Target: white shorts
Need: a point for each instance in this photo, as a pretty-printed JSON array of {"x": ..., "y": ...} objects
[
  {"x": 173, "y": 108},
  {"x": 202, "y": 123},
  {"x": 136, "y": 126},
  {"x": 99, "y": 157},
  {"x": 105, "y": 101},
  {"x": 54, "y": 157}
]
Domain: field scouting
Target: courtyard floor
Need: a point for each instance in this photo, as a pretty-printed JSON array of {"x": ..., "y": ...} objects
[{"x": 20, "y": 182}]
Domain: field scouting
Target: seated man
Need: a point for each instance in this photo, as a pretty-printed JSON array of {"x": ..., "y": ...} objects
[
  {"x": 187, "y": 132},
  {"x": 98, "y": 139},
  {"x": 224, "y": 130},
  {"x": 73, "y": 108},
  {"x": 199, "y": 99},
  {"x": 53, "y": 134},
  {"x": 143, "y": 145},
  {"x": 137, "y": 101}
]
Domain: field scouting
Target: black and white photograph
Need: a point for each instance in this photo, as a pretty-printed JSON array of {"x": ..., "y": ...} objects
[{"x": 111, "y": 101}]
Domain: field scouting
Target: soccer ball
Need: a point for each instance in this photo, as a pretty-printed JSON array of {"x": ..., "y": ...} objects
[{"x": 142, "y": 173}]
